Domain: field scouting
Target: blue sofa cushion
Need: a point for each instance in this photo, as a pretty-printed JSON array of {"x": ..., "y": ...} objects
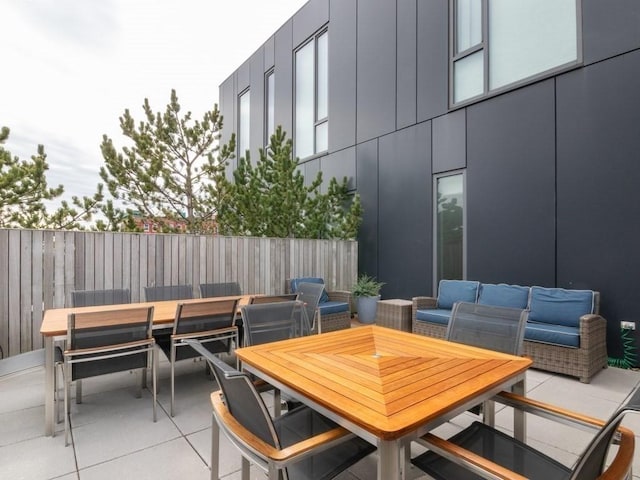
[
  {"x": 452, "y": 291},
  {"x": 558, "y": 306},
  {"x": 440, "y": 316},
  {"x": 330, "y": 307},
  {"x": 553, "y": 334},
  {"x": 297, "y": 281},
  {"x": 503, "y": 295}
]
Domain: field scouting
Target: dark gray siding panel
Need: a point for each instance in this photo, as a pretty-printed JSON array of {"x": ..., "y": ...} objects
[
  {"x": 283, "y": 78},
  {"x": 257, "y": 102},
  {"x": 342, "y": 74},
  {"x": 367, "y": 181},
  {"x": 339, "y": 165},
  {"x": 376, "y": 95},
  {"x": 310, "y": 170},
  {"x": 243, "y": 77},
  {"x": 269, "y": 53},
  {"x": 610, "y": 28},
  {"x": 406, "y": 68},
  {"x": 450, "y": 142},
  {"x": 511, "y": 187},
  {"x": 433, "y": 57},
  {"x": 313, "y": 15},
  {"x": 598, "y": 179},
  {"x": 228, "y": 110},
  {"x": 405, "y": 240}
]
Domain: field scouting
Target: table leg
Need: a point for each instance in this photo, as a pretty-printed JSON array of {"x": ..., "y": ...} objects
[
  {"x": 49, "y": 388},
  {"x": 390, "y": 465},
  {"x": 519, "y": 419}
]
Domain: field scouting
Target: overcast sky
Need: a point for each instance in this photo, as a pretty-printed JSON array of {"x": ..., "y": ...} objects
[{"x": 69, "y": 68}]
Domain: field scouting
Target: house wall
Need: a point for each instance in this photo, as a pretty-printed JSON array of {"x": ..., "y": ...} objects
[{"x": 552, "y": 168}]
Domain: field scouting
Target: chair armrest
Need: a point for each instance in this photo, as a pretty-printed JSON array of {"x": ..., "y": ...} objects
[
  {"x": 593, "y": 330},
  {"x": 420, "y": 303},
  {"x": 262, "y": 448},
  {"x": 468, "y": 459},
  {"x": 110, "y": 348},
  {"x": 622, "y": 463},
  {"x": 340, "y": 296}
]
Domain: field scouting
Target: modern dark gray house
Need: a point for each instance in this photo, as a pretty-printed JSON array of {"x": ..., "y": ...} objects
[{"x": 492, "y": 140}]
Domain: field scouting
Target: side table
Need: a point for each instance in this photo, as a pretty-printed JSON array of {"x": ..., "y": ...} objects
[{"x": 394, "y": 313}]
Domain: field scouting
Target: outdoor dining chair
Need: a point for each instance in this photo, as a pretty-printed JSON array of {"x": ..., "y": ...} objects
[
  {"x": 168, "y": 292},
  {"x": 87, "y": 298},
  {"x": 227, "y": 289},
  {"x": 285, "y": 297},
  {"x": 301, "y": 443},
  {"x": 480, "y": 451},
  {"x": 108, "y": 341},
  {"x": 212, "y": 322},
  {"x": 495, "y": 328},
  {"x": 309, "y": 294}
]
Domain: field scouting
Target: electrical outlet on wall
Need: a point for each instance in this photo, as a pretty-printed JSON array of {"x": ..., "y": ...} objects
[{"x": 628, "y": 325}]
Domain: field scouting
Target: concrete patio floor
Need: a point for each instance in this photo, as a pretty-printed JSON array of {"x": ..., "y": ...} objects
[{"x": 113, "y": 434}]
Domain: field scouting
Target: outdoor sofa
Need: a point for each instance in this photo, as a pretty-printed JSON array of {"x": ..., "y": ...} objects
[
  {"x": 334, "y": 308},
  {"x": 564, "y": 333}
]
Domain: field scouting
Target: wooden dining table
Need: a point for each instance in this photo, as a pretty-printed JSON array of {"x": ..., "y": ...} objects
[
  {"x": 54, "y": 327},
  {"x": 387, "y": 386}
]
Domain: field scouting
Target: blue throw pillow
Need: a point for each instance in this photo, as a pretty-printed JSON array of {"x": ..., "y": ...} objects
[
  {"x": 559, "y": 306},
  {"x": 297, "y": 281},
  {"x": 503, "y": 295},
  {"x": 452, "y": 291}
]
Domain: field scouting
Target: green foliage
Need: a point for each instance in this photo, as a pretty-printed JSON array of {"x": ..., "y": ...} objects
[
  {"x": 272, "y": 199},
  {"x": 24, "y": 191},
  {"x": 165, "y": 175},
  {"x": 366, "y": 286}
]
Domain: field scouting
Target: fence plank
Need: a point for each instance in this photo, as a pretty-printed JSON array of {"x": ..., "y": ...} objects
[{"x": 4, "y": 292}]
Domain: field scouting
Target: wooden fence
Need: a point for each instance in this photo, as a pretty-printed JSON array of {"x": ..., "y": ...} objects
[{"x": 40, "y": 268}]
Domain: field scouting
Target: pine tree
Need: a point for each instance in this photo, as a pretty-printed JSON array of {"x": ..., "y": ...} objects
[
  {"x": 272, "y": 199},
  {"x": 165, "y": 175},
  {"x": 24, "y": 191}
]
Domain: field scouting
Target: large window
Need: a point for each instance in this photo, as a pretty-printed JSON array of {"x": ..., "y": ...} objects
[
  {"x": 311, "y": 97},
  {"x": 449, "y": 219},
  {"x": 244, "y": 123},
  {"x": 269, "y": 108},
  {"x": 500, "y": 43}
]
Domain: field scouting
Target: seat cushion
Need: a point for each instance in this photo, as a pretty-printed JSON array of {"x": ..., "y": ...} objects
[
  {"x": 503, "y": 295},
  {"x": 558, "y": 306},
  {"x": 452, "y": 291},
  {"x": 440, "y": 316},
  {"x": 327, "y": 308},
  {"x": 297, "y": 281},
  {"x": 552, "y": 334}
]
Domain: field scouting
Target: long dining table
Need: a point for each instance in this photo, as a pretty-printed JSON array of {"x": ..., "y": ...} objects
[
  {"x": 54, "y": 327},
  {"x": 386, "y": 386}
]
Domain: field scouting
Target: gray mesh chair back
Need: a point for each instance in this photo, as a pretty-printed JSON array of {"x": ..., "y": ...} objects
[
  {"x": 526, "y": 461},
  {"x": 228, "y": 289},
  {"x": 247, "y": 407},
  {"x": 108, "y": 341},
  {"x": 495, "y": 328},
  {"x": 309, "y": 294},
  {"x": 168, "y": 292},
  {"x": 270, "y": 322},
  {"x": 212, "y": 322},
  {"x": 285, "y": 297},
  {"x": 87, "y": 298}
]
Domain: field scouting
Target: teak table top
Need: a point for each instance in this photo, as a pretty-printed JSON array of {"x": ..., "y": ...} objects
[
  {"x": 54, "y": 322},
  {"x": 386, "y": 381}
]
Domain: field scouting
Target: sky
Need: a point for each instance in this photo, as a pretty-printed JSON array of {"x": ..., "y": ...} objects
[{"x": 70, "y": 68}]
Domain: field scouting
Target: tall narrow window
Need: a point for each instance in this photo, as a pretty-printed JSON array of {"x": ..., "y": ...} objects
[
  {"x": 269, "y": 108},
  {"x": 311, "y": 97},
  {"x": 244, "y": 123},
  {"x": 449, "y": 227},
  {"x": 499, "y": 43}
]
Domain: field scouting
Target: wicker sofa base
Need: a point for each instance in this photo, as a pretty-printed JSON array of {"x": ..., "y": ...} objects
[
  {"x": 335, "y": 321},
  {"x": 583, "y": 362}
]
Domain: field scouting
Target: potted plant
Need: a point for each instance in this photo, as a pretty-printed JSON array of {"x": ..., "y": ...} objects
[{"x": 366, "y": 292}]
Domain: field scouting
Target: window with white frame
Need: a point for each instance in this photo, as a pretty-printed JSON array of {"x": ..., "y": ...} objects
[
  {"x": 449, "y": 223},
  {"x": 500, "y": 43},
  {"x": 244, "y": 122},
  {"x": 311, "y": 131}
]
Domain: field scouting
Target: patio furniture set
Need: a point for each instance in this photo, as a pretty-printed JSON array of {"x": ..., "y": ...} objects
[{"x": 352, "y": 391}]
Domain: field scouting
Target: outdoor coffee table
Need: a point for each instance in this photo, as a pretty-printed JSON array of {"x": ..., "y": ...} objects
[{"x": 387, "y": 386}]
